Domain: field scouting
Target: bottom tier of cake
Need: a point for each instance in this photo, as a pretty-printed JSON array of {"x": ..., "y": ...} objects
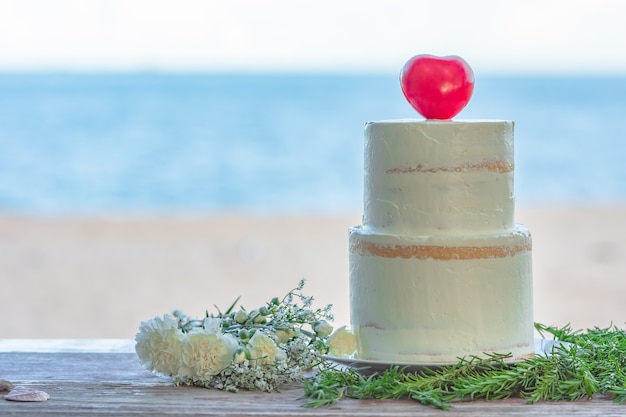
[{"x": 436, "y": 299}]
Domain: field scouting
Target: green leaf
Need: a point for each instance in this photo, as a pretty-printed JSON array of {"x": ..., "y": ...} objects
[{"x": 594, "y": 363}]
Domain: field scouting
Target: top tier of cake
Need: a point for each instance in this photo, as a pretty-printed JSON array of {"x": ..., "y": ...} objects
[{"x": 438, "y": 177}]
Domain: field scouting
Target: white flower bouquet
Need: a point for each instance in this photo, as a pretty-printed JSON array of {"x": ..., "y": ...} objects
[{"x": 257, "y": 349}]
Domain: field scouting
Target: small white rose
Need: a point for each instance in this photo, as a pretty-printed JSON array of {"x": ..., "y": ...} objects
[
  {"x": 283, "y": 336},
  {"x": 342, "y": 343},
  {"x": 263, "y": 350},
  {"x": 322, "y": 328},
  {"x": 240, "y": 355},
  {"x": 241, "y": 316},
  {"x": 212, "y": 325}
]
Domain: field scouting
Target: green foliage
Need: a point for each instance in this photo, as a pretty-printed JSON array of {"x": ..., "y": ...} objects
[{"x": 592, "y": 362}]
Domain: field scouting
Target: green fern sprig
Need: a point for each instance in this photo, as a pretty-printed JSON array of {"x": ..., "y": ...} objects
[{"x": 590, "y": 363}]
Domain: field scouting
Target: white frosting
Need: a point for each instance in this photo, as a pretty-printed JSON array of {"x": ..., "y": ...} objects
[
  {"x": 438, "y": 177},
  {"x": 419, "y": 309},
  {"x": 439, "y": 270}
]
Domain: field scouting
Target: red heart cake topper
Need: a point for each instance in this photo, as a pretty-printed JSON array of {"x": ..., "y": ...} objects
[{"x": 437, "y": 87}]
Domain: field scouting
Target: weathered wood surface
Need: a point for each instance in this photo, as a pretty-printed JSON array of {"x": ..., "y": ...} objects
[{"x": 113, "y": 383}]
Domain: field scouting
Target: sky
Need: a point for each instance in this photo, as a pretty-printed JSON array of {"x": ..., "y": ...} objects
[{"x": 494, "y": 36}]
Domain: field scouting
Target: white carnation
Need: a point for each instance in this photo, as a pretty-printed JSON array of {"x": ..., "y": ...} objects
[
  {"x": 159, "y": 345},
  {"x": 207, "y": 354}
]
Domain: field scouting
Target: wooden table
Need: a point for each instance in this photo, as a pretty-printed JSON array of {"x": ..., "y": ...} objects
[{"x": 103, "y": 377}]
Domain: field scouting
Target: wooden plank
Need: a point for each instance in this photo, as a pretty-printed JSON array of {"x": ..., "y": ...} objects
[
  {"x": 103, "y": 384},
  {"x": 67, "y": 345}
]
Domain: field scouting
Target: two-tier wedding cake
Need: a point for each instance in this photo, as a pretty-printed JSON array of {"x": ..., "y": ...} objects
[{"x": 439, "y": 270}]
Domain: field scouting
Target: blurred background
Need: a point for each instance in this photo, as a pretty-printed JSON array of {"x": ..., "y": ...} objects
[{"x": 156, "y": 156}]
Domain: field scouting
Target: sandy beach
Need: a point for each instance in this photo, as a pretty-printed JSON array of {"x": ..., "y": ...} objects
[{"x": 100, "y": 277}]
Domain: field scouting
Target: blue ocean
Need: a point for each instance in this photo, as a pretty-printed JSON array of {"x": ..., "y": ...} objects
[{"x": 146, "y": 143}]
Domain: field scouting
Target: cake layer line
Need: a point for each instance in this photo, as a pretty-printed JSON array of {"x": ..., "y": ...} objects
[
  {"x": 443, "y": 253},
  {"x": 493, "y": 166}
]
